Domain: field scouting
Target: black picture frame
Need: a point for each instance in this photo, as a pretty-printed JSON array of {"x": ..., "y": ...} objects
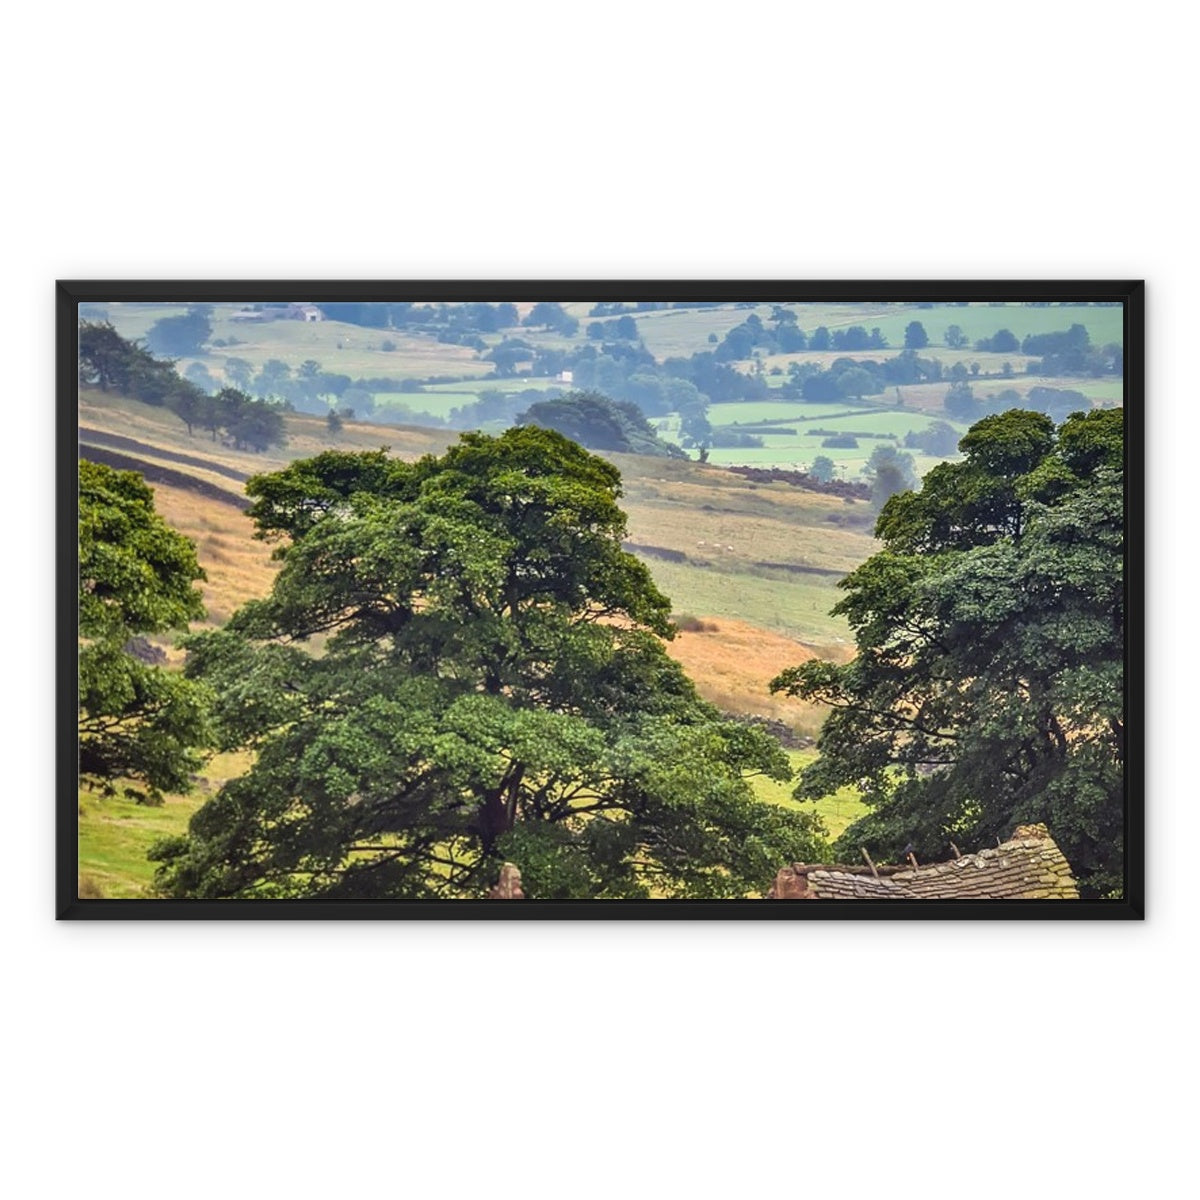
[{"x": 71, "y": 293}]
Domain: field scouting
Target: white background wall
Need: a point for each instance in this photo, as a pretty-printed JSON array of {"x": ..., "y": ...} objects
[{"x": 919, "y": 140}]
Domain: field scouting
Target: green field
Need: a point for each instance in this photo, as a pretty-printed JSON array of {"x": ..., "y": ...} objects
[
  {"x": 396, "y": 405},
  {"x": 346, "y": 349},
  {"x": 797, "y": 452},
  {"x": 837, "y": 811},
  {"x": 114, "y": 836},
  {"x": 519, "y": 383},
  {"x": 439, "y": 399},
  {"x": 669, "y": 332},
  {"x": 794, "y": 605},
  {"x": 748, "y": 411}
]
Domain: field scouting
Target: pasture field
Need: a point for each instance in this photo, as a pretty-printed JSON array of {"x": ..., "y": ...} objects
[
  {"x": 396, "y": 405},
  {"x": 894, "y": 422},
  {"x": 671, "y": 332},
  {"x": 989, "y": 364},
  {"x": 440, "y": 400},
  {"x": 747, "y": 411},
  {"x": 345, "y": 349},
  {"x": 838, "y": 811},
  {"x": 930, "y": 397},
  {"x": 798, "y": 607},
  {"x": 798, "y": 453},
  {"x": 672, "y": 504},
  {"x": 732, "y": 662},
  {"x": 517, "y": 383},
  {"x": 306, "y": 435},
  {"x": 115, "y": 832}
]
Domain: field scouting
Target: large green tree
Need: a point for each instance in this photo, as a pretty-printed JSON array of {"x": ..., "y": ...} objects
[
  {"x": 458, "y": 664},
  {"x": 181, "y": 335},
  {"x": 141, "y": 726},
  {"x": 595, "y": 421},
  {"x": 987, "y": 686}
]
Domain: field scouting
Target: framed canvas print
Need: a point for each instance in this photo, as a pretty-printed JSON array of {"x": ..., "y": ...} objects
[{"x": 599, "y": 599}]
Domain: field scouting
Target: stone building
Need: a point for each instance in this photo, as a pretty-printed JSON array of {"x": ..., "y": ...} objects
[{"x": 1029, "y": 866}]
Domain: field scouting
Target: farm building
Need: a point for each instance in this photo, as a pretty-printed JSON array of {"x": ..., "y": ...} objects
[
  {"x": 1029, "y": 866},
  {"x": 280, "y": 312}
]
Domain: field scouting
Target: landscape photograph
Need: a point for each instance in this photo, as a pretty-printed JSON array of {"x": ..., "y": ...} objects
[{"x": 475, "y": 596}]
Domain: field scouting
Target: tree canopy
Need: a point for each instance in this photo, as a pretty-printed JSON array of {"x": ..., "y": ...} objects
[
  {"x": 181, "y": 335},
  {"x": 987, "y": 686},
  {"x": 488, "y": 682},
  {"x": 137, "y": 722},
  {"x": 595, "y": 421}
]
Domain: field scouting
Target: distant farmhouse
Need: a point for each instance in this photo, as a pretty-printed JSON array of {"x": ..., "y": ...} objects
[{"x": 279, "y": 312}]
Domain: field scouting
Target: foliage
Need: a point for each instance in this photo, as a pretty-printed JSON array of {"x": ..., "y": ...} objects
[
  {"x": 960, "y": 401},
  {"x": 938, "y": 439},
  {"x": 856, "y": 382},
  {"x": 1003, "y": 341},
  {"x": 822, "y": 468},
  {"x": 137, "y": 722},
  {"x": 490, "y": 684},
  {"x": 114, "y": 364},
  {"x": 598, "y": 423},
  {"x": 889, "y": 471},
  {"x": 915, "y": 337},
  {"x": 252, "y": 424},
  {"x": 987, "y": 687},
  {"x": 179, "y": 336},
  {"x": 549, "y": 315}
]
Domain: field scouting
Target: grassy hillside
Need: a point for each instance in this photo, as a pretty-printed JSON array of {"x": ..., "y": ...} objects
[
  {"x": 838, "y": 811},
  {"x": 115, "y": 833}
]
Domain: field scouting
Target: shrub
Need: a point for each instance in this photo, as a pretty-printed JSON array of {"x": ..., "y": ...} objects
[
  {"x": 89, "y": 888},
  {"x": 687, "y": 623}
]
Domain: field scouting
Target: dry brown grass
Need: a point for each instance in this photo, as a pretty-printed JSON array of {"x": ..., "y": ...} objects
[
  {"x": 732, "y": 662},
  {"x": 702, "y": 511},
  {"x": 238, "y": 566},
  {"x": 306, "y": 436}
]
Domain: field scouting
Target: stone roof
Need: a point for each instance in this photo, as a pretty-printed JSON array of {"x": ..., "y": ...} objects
[{"x": 1029, "y": 866}]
